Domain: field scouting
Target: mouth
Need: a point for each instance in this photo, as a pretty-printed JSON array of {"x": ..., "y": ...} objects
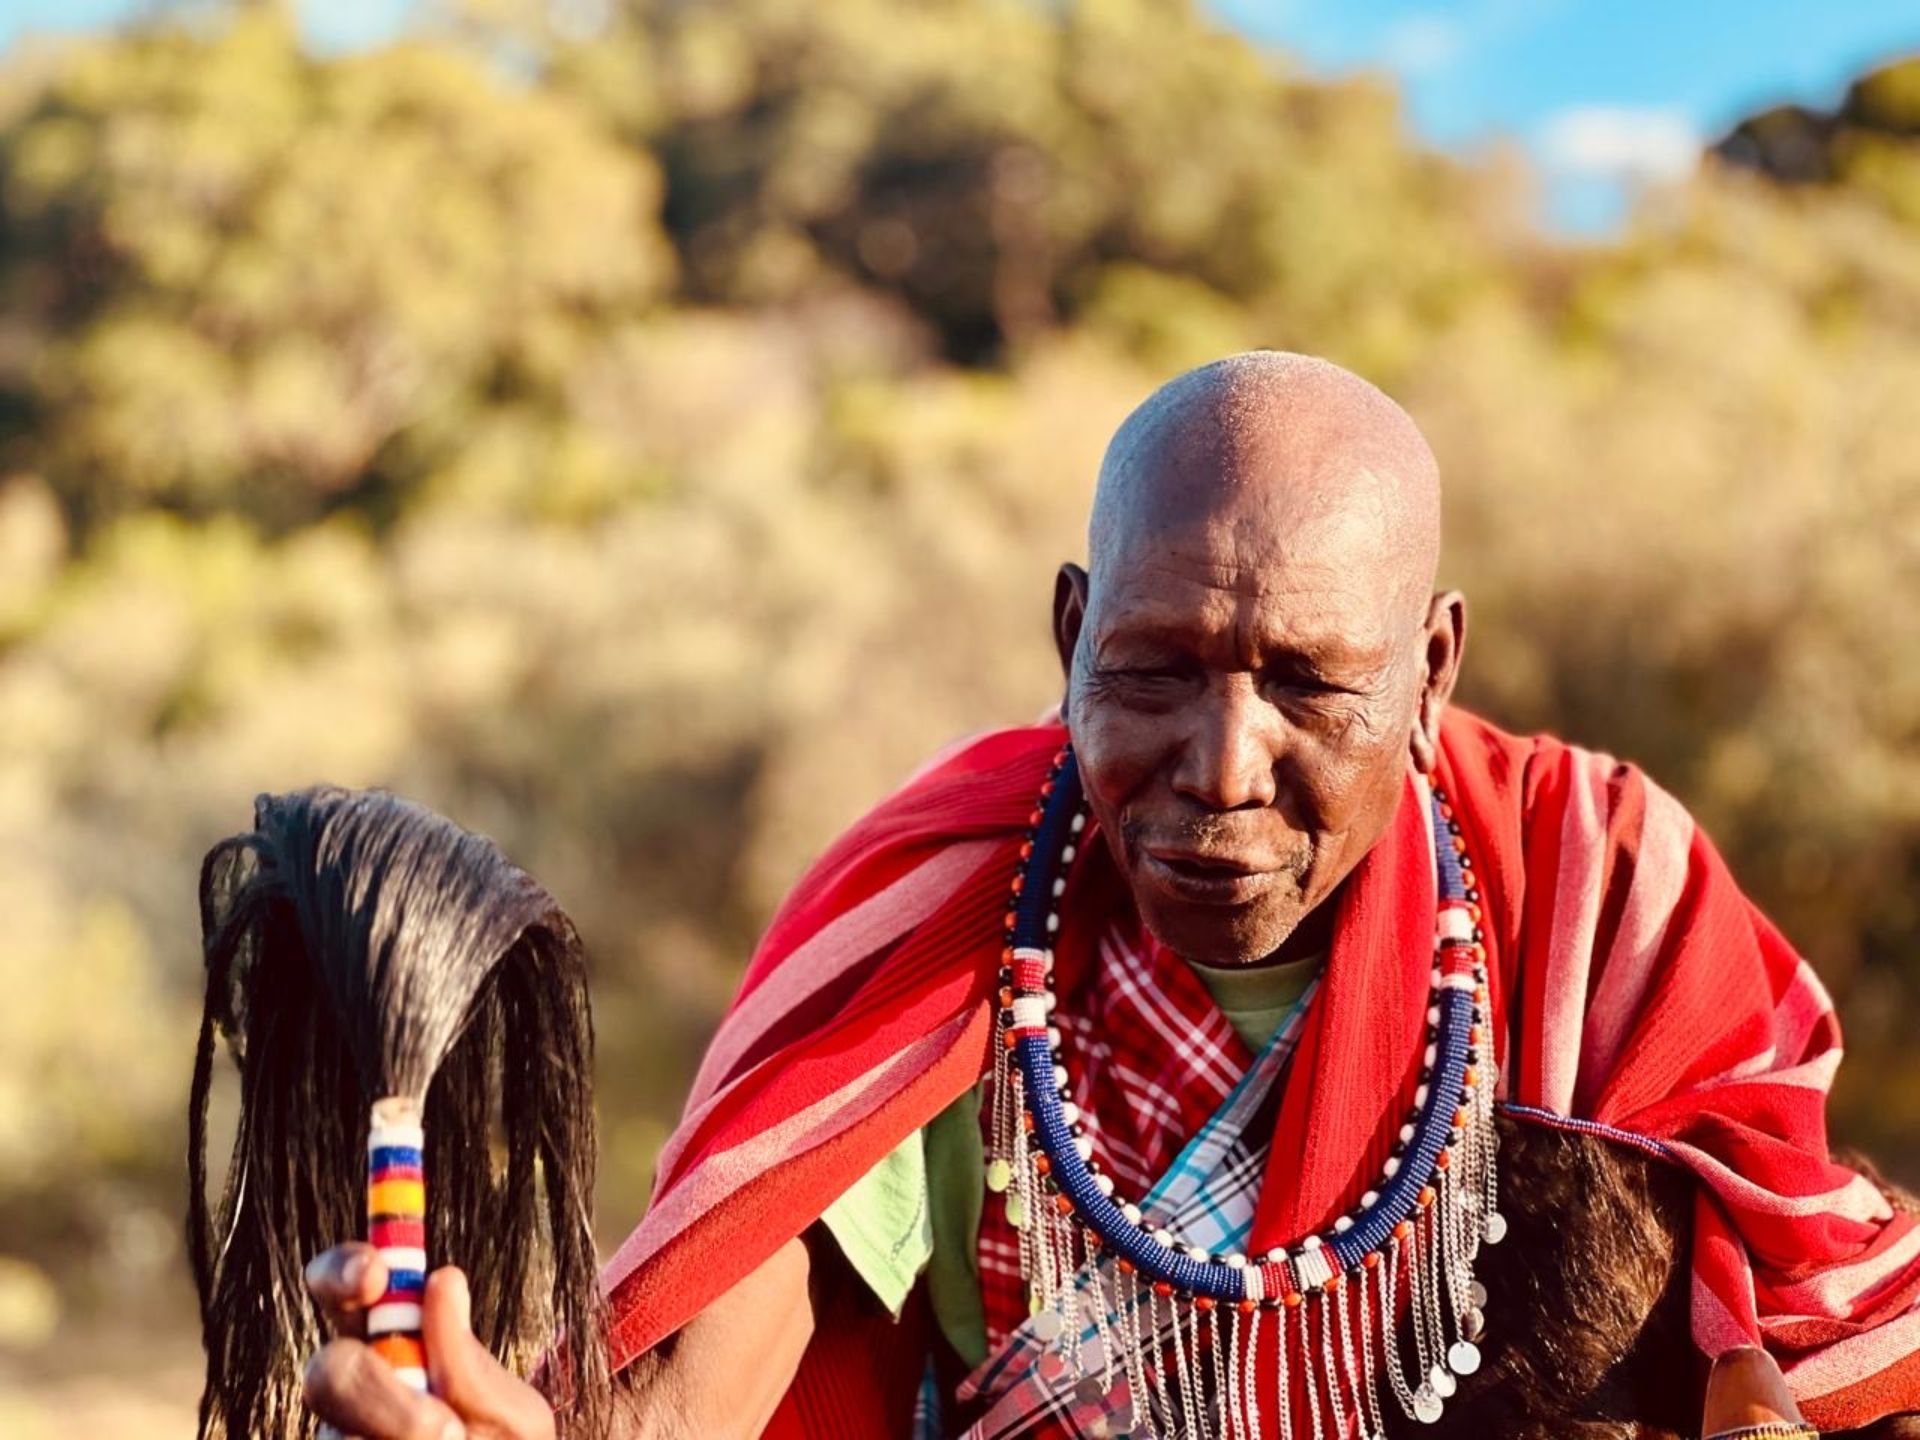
[{"x": 1207, "y": 879}]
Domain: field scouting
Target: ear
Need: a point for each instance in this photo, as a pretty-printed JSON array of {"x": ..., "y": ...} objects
[
  {"x": 1069, "y": 614},
  {"x": 1445, "y": 640}
]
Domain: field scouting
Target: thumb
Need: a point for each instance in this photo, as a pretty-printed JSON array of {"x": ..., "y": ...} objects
[
  {"x": 454, "y": 1356},
  {"x": 482, "y": 1392}
]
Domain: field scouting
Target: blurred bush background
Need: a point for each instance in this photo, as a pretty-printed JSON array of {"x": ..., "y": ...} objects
[{"x": 644, "y": 445}]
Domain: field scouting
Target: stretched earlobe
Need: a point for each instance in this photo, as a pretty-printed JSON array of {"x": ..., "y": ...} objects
[
  {"x": 1424, "y": 744},
  {"x": 1445, "y": 636}
]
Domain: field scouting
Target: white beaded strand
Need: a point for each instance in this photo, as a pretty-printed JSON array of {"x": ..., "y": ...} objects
[
  {"x": 1217, "y": 1370},
  {"x": 1309, "y": 1372},
  {"x": 1235, "y": 1412},
  {"x": 1195, "y": 1397},
  {"x": 1369, "y": 1387},
  {"x": 1328, "y": 1300},
  {"x": 1250, "y": 1375},
  {"x": 1390, "y": 1331},
  {"x": 1168, "y": 1417},
  {"x": 1284, "y": 1392}
]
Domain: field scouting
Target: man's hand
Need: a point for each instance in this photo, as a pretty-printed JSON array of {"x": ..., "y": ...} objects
[
  {"x": 355, "y": 1391},
  {"x": 721, "y": 1375},
  {"x": 1746, "y": 1388}
]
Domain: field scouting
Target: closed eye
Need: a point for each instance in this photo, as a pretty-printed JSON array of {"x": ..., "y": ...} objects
[
  {"x": 1146, "y": 686},
  {"x": 1306, "y": 679},
  {"x": 1307, "y": 685}
]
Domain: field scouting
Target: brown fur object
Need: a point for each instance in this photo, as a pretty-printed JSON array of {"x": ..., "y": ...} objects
[{"x": 1588, "y": 1297}]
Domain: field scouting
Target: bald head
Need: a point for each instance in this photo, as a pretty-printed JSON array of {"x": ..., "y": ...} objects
[{"x": 1266, "y": 436}]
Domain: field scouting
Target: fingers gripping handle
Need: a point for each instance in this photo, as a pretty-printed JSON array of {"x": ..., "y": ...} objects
[{"x": 397, "y": 1228}]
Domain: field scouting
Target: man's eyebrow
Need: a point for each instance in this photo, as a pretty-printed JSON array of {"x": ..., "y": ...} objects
[{"x": 1325, "y": 653}]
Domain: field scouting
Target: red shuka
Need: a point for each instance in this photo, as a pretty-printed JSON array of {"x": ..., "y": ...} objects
[{"x": 1633, "y": 985}]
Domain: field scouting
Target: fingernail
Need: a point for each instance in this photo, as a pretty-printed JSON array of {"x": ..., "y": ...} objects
[
  {"x": 454, "y": 1431},
  {"x": 353, "y": 1270}
]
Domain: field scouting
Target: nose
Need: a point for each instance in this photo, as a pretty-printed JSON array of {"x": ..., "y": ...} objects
[{"x": 1231, "y": 747}]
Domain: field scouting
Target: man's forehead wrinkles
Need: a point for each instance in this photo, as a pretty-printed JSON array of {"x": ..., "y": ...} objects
[
  {"x": 1335, "y": 618},
  {"x": 1266, "y": 528},
  {"x": 1261, "y": 576},
  {"x": 1202, "y": 571}
]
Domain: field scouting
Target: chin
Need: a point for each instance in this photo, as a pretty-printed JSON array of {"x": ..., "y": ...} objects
[{"x": 1214, "y": 938}]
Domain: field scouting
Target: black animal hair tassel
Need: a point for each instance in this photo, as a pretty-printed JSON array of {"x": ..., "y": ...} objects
[{"x": 368, "y": 958}]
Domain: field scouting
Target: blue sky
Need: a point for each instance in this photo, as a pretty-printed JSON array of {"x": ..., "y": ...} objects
[{"x": 1605, "y": 94}]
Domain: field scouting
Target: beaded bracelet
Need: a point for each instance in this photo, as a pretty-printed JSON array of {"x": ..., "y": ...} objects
[{"x": 1768, "y": 1430}]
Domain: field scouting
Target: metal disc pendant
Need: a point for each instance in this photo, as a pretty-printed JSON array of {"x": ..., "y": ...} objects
[
  {"x": 1443, "y": 1382},
  {"x": 999, "y": 1176},
  {"x": 1047, "y": 1324},
  {"x": 1426, "y": 1406},
  {"x": 1016, "y": 1211},
  {"x": 1496, "y": 1228},
  {"x": 1051, "y": 1365},
  {"x": 1464, "y": 1357},
  {"x": 1479, "y": 1294},
  {"x": 1090, "y": 1391},
  {"x": 1472, "y": 1324}
]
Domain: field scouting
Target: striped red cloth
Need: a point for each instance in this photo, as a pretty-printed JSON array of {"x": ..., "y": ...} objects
[{"x": 1632, "y": 985}]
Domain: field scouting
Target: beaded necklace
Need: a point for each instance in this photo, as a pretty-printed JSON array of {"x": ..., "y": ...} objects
[{"x": 1412, "y": 1239}]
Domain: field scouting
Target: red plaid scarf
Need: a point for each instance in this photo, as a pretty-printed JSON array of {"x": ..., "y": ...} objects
[{"x": 1141, "y": 1033}]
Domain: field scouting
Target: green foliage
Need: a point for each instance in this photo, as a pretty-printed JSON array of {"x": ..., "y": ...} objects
[
  {"x": 1858, "y": 145},
  {"x": 989, "y": 161},
  {"x": 649, "y": 449},
  {"x": 255, "y": 280}
]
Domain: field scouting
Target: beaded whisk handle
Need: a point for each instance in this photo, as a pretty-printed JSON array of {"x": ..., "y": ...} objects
[{"x": 397, "y": 1228}]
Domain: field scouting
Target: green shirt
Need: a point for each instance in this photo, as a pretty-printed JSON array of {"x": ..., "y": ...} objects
[{"x": 918, "y": 1210}]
